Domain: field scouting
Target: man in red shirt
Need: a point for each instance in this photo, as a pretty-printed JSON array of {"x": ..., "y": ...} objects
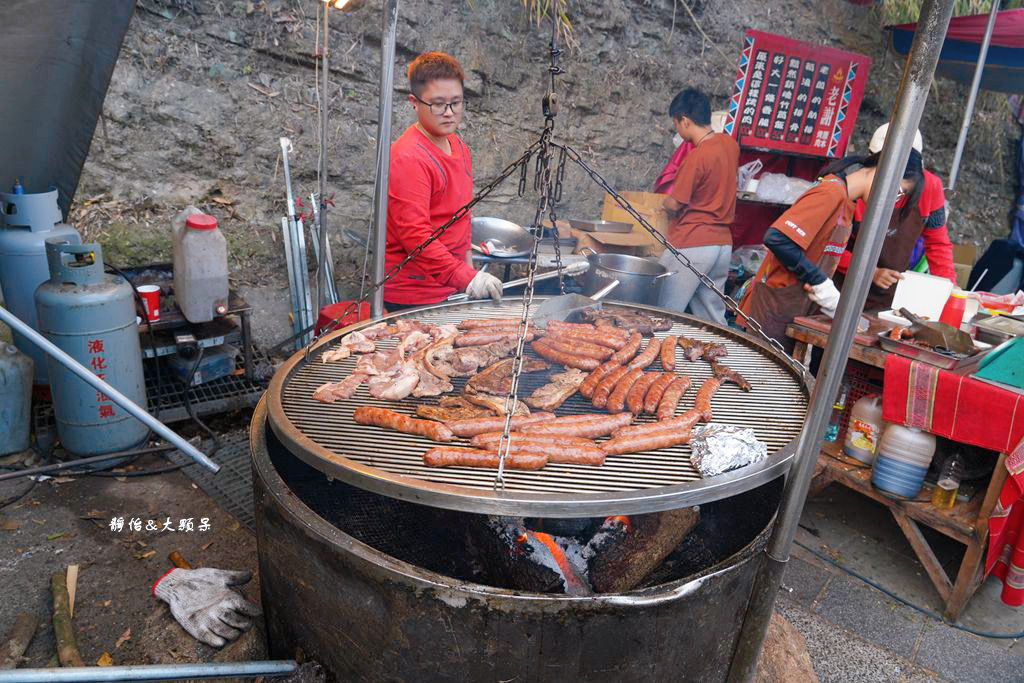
[
  {"x": 431, "y": 178},
  {"x": 703, "y": 202}
]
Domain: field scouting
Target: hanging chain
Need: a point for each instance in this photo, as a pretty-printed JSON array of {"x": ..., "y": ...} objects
[
  {"x": 543, "y": 170},
  {"x": 730, "y": 303},
  {"x": 490, "y": 187}
]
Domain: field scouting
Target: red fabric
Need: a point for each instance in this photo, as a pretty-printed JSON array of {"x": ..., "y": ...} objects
[
  {"x": 425, "y": 189},
  {"x": 1008, "y": 31},
  {"x": 956, "y": 407},
  {"x": 668, "y": 174},
  {"x": 938, "y": 248}
]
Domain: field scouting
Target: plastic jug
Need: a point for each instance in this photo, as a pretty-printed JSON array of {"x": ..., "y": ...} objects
[
  {"x": 200, "y": 266},
  {"x": 865, "y": 429},
  {"x": 904, "y": 454}
]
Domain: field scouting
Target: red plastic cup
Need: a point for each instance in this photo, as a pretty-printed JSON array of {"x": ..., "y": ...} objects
[{"x": 150, "y": 300}]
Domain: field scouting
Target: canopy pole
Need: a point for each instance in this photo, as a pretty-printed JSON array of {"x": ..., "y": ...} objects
[
  {"x": 972, "y": 97},
  {"x": 380, "y": 188},
  {"x": 913, "y": 94}
]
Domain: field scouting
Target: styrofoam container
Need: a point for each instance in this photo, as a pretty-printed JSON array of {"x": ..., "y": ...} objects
[{"x": 922, "y": 294}]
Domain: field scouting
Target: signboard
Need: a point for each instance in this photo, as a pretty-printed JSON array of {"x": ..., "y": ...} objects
[{"x": 792, "y": 96}]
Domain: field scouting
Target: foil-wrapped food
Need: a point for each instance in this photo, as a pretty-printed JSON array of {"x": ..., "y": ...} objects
[{"x": 718, "y": 448}]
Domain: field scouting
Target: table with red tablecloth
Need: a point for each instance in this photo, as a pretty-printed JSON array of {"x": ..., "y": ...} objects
[{"x": 973, "y": 412}]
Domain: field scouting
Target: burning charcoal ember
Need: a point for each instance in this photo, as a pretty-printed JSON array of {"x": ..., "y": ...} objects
[
  {"x": 527, "y": 560},
  {"x": 626, "y": 549}
]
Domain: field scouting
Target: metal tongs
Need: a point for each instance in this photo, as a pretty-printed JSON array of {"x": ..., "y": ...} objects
[
  {"x": 939, "y": 335},
  {"x": 577, "y": 268}
]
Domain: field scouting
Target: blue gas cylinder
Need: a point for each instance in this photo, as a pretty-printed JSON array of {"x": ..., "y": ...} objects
[
  {"x": 15, "y": 399},
  {"x": 26, "y": 222},
  {"x": 91, "y": 316}
]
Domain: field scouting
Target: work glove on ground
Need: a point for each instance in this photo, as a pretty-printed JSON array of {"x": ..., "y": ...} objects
[
  {"x": 484, "y": 285},
  {"x": 205, "y": 604},
  {"x": 825, "y": 295}
]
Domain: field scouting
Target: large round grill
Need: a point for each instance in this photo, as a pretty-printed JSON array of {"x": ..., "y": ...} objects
[{"x": 390, "y": 463}]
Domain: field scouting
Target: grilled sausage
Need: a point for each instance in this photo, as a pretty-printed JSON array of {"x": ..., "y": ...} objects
[
  {"x": 605, "y": 386},
  {"x": 481, "y": 323},
  {"x": 683, "y": 422},
  {"x": 668, "y": 352},
  {"x": 559, "y": 449},
  {"x": 703, "y": 401},
  {"x": 578, "y": 347},
  {"x": 478, "y": 425},
  {"x": 648, "y": 355},
  {"x": 590, "y": 383},
  {"x": 637, "y": 392},
  {"x": 629, "y": 350},
  {"x": 670, "y": 399},
  {"x": 554, "y": 325},
  {"x": 593, "y": 337},
  {"x": 485, "y": 337},
  {"x": 569, "y": 360},
  {"x": 470, "y": 457},
  {"x": 601, "y": 425},
  {"x": 656, "y": 391},
  {"x": 617, "y": 399},
  {"x": 636, "y": 443},
  {"x": 382, "y": 417}
]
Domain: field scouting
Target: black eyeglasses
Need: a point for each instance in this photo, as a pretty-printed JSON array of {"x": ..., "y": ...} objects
[{"x": 441, "y": 108}]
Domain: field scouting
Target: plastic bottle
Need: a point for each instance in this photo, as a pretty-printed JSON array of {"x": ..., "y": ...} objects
[
  {"x": 865, "y": 429},
  {"x": 904, "y": 455},
  {"x": 200, "y": 267},
  {"x": 953, "y": 311},
  {"x": 832, "y": 433},
  {"x": 948, "y": 483}
]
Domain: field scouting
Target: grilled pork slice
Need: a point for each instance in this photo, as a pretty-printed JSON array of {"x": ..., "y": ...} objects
[
  {"x": 555, "y": 393},
  {"x": 451, "y": 408},
  {"x": 497, "y": 379}
]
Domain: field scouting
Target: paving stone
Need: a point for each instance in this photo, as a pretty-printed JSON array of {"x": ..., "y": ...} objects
[
  {"x": 959, "y": 656},
  {"x": 915, "y": 674},
  {"x": 837, "y": 654},
  {"x": 871, "y": 614},
  {"x": 803, "y": 581}
]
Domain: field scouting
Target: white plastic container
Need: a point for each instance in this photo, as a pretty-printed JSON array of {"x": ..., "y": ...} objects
[
  {"x": 865, "y": 429},
  {"x": 904, "y": 454},
  {"x": 200, "y": 266}
]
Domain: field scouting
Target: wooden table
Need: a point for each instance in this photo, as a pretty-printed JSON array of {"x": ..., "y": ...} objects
[{"x": 966, "y": 522}]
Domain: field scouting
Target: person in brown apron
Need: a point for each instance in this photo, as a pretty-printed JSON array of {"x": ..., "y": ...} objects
[{"x": 805, "y": 244}]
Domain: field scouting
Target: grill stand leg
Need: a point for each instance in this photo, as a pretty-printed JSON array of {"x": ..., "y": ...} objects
[{"x": 917, "y": 78}]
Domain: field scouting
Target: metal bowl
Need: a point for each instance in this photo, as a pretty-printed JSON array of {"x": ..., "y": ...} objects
[{"x": 501, "y": 238}]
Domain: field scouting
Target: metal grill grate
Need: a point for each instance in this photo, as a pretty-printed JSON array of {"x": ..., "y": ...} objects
[{"x": 391, "y": 462}]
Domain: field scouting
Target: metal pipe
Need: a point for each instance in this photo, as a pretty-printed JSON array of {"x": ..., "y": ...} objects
[
  {"x": 913, "y": 94},
  {"x": 972, "y": 97},
  {"x": 67, "y": 464},
  {"x": 116, "y": 396},
  {"x": 150, "y": 672},
  {"x": 380, "y": 188},
  {"x": 321, "y": 261}
]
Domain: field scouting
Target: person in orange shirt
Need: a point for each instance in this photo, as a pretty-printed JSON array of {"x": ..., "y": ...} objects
[
  {"x": 806, "y": 241},
  {"x": 702, "y": 202}
]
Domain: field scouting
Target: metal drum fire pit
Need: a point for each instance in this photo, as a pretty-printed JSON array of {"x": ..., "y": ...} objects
[{"x": 370, "y": 570}]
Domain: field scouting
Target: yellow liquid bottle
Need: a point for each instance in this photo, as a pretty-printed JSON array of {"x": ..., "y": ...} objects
[{"x": 944, "y": 495}]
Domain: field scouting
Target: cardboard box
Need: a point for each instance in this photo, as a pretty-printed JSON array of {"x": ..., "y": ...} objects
[
  {"x": 963, "y": 272},
  {"x": 964, "y": 258}
]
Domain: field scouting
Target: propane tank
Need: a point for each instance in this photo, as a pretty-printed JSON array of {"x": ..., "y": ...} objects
[
  {"x": 91, "y": 316},
  {"x": 26, "y": 222},
  {"x": 15, "y": 399}
]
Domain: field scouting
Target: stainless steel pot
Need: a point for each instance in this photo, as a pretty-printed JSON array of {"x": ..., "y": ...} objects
[{"x": 639, "y": 278}]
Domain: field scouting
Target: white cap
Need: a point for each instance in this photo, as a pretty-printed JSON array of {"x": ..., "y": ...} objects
[{"x": 878, "y": 140}]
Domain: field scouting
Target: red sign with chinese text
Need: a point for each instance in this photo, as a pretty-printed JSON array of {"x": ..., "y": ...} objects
[{"x": 796, "y": 97}]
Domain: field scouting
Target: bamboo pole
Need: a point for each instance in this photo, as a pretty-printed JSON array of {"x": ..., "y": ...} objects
[{"x": 63, "y": 632}]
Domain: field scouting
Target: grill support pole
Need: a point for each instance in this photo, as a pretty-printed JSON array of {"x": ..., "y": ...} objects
[
  {"x": 972, "y": 98},
  {"x": 380, "y": 188},
  {"x": 116, "y": 396},
  {"x": 321, "y": 217},
  {"x": 150, "y": 672},
  {"x": 913, "y": 94}
]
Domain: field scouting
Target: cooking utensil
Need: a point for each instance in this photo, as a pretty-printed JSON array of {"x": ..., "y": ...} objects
[
  {"x": 577, "y": 268},
  {"x": 954, "y": 362},
  {"x": 640, "y": 278},
  {"x": 939, "y": 335},
  {"x": 600, "y": 226},
  {"x": 568, "y": 305},
  {"x": 500, "y": 238}
]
